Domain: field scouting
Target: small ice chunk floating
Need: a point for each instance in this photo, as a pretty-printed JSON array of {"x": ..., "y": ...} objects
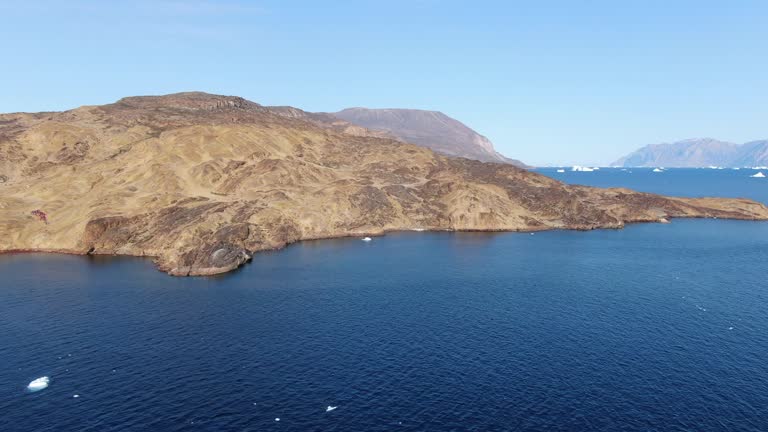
[{"x": 39, "y": 384}]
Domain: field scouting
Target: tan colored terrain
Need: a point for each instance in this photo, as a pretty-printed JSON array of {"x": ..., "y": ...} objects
[
  {"x": 200, "y": 182},
  {"x": 431, "y": 129}
]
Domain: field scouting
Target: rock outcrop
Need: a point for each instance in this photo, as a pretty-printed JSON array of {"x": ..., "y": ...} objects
[{"x": 201, "y": 182}]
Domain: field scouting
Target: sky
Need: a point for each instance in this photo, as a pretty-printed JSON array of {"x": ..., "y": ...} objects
[{"x": 549, "y": 82}]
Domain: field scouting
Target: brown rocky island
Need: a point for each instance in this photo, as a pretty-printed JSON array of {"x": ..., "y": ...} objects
[{"x": 200, "y": 182}]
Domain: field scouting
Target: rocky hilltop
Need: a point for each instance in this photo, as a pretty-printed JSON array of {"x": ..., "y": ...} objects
[
  {"x": 697, "y": 153},
  {"x": 431, "y": 129},
  {"x": 200, "y": 182}
]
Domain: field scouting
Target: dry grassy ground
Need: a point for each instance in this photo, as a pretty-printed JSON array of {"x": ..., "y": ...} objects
[{"x": 200, "y": 182}]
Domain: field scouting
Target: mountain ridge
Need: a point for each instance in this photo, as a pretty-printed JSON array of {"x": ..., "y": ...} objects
[
  {"x": 432, "y": 129},
  {"x": 698, "y": 153}
]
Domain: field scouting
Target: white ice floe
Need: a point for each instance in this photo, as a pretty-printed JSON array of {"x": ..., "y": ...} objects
[
  {"x": 39, "y": 384},
  {"x": 582, "y": 168},
  {"x": 76, "y": 396},
  {"x": 330, "y": 408},
  {"x": 561, "y": 170},
  {"x": 417, "y": 229},
  {"x": 366, "y": 239},
  {"x": 758, "y": 175},
  {"x": 658, "y": 170},
  {"x": 277, "y": 419}
]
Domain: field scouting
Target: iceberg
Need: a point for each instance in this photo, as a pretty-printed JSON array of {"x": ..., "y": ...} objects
[
  {"x": 658, "y": 170},
  {"x": 582, "y": 168},
  {"x": 561, "y": 170},
  {"x": 330, "y": 408},
  {"x": 39, "y": 384},
  {"x": 366, "y": 239},
  {"x": 758, "y": 175}
]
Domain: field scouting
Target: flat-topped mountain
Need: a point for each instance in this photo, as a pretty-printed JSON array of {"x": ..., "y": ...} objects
[
  {"x": 431, "y": 129},
  {"x": 200, "y": 182},
  {"x": 698, "y": 152}
]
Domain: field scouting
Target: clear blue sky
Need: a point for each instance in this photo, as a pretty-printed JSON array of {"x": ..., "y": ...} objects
[{"x": 547, "y": 81}]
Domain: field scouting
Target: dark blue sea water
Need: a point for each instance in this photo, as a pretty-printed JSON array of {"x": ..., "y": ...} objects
[
  {"x": 691, "y": 182},
  {"x": 651, "y": 328}
]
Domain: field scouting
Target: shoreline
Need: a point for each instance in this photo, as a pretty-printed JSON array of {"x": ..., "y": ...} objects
[{"x": 379, "y": 233}]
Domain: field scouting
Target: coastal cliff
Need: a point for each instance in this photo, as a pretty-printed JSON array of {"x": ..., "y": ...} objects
[{"x": 200, "y": 182}]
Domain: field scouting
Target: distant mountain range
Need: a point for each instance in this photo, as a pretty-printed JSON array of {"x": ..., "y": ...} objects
[
  {"x": 431, "y": 129},
  {"x": 699, "y": 152}
]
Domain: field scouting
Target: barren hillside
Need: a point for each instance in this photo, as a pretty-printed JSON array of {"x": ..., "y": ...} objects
[{"x": 200, "y": 182}]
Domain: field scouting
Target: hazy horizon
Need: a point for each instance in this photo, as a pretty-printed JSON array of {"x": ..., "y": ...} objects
[{"x": 549, "y": 84}]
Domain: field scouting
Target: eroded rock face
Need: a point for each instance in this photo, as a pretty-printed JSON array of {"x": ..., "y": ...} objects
[{"x": 201, "y": 182}]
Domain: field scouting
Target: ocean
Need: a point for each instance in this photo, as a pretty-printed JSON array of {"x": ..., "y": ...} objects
[{"x": 656, "y": 327}]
